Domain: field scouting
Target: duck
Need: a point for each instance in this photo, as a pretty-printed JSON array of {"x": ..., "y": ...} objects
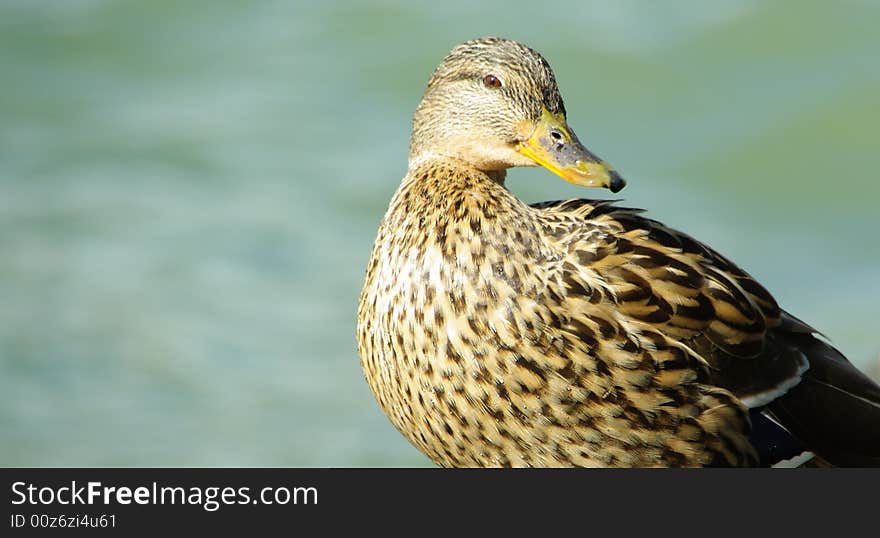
[{"x": 577, "y": 333}]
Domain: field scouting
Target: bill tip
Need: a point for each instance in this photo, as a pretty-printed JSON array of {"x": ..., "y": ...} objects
[{"x": 617, "y": 183}]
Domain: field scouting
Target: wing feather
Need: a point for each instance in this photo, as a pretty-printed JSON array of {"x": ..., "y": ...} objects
[{"x": 665, "y": 279}]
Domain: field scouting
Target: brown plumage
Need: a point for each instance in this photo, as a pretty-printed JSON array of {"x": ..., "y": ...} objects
[{"x": 576, "y": 333}]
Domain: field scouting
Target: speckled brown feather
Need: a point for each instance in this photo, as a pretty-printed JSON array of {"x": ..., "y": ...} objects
[{"x": 498, "y": 334}]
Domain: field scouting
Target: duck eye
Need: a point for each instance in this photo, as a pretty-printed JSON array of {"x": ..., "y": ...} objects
[{"x": 491, "y": 81}]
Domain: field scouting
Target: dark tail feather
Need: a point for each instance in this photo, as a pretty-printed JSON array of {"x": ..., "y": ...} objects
[{"x": 835, "y": 409}]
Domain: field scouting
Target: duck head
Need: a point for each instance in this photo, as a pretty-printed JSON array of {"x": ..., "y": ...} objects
[{"x": 494, "y": 104}]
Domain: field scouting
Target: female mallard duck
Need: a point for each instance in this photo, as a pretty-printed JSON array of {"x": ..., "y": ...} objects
[{"x": 577, "y": 333}]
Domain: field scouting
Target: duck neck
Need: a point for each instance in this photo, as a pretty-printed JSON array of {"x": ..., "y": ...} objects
[{"x": 431, "y": 160}]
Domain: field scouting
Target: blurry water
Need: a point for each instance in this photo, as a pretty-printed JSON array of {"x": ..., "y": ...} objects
[{"x": 189, "y": 193}]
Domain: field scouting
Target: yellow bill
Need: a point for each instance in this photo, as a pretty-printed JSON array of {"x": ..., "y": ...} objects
[{"x": 554, "y": 146}]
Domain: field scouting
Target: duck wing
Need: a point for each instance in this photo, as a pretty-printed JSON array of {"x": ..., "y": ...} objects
[{"x": 803, "y": 394}]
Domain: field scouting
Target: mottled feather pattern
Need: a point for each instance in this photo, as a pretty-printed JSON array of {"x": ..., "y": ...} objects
[{"x": 571, "y": 362}]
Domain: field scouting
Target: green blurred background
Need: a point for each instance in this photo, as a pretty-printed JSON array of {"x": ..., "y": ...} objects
[{"x": 189, "y": 192}]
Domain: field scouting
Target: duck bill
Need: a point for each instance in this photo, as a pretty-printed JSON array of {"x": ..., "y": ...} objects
[{"x": 554, "y": 146}]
